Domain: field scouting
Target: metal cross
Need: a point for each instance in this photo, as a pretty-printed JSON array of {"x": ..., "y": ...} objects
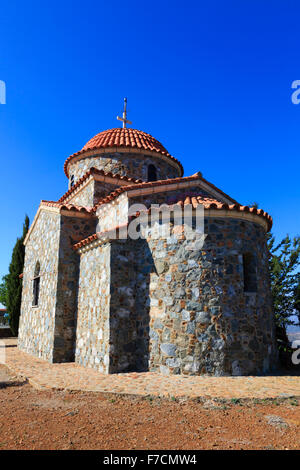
[{"x": 124, "y": 118}]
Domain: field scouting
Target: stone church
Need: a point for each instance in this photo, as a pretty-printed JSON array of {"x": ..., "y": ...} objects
[{"x": 120, "y": 304}]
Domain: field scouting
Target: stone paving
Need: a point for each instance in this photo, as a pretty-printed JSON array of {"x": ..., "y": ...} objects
[{"x": 71, "y": 376}]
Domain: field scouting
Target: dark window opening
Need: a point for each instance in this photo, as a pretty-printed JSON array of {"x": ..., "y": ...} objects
[
  {"x": 152, "y": 174},
  {"x": 36, "y": 285},
  {"x": 72, "y": 181},
  {"x": 250, "y": 273}
]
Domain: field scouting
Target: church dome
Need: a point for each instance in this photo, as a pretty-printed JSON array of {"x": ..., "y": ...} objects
[
  {"x": 124, "y": 140},
  {"x": 120, "y": 137}
]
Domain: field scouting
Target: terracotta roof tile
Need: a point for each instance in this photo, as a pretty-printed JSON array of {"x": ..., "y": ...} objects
[
  {"x": 86, "y": 241},
  {"x": 120, "y": 137},
  {"x": 99, "y": 235},
  {"x": 122, "y": 189},
  {"x": 69, "y": 207},
  {"x": 210, "y": 203}
]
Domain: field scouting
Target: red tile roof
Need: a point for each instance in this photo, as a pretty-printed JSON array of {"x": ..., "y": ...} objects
[
  {"x": 85, "y": 241},
  {"x": 69, "y": 207},
  {"x": 208, "y": 203},
  {"x": 97, "y": 236},
  {"x": 120, "y": 137},
  {"x": 95, "y": 171},
  {"x": 122, "y": 189}
]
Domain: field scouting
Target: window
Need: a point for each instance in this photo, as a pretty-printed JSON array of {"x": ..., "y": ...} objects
[
  {"x": 36, "y": 285},
  {"x": 250, "y": 275},
  {"x": 152, "y": 176},
  {"x": 72, "y": 181}
]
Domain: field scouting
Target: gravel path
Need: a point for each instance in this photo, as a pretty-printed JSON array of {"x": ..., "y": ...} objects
[{"x": 71, "y": 376}]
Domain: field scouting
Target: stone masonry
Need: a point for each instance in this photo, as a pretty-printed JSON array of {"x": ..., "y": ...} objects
[{"x": 132, "y": 165}]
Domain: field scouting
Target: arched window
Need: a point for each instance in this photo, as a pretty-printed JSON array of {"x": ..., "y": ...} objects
[
  {"x": 72, "y": 181},
  {"x": 152, "y": 173},
  {"x": 250, "y": 272},
  {"x": 36, "y": 285}
]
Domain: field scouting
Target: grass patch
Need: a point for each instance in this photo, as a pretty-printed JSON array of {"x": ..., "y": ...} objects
[
  {"x": 236, "y": 401},
  {"x": 294, "y": 402}
]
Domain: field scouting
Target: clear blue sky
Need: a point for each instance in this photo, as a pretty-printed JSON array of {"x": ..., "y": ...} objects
[{"x": 210, "y": 80}]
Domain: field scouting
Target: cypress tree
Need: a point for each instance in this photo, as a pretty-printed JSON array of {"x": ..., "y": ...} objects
[{"x": 13, "y": 281}]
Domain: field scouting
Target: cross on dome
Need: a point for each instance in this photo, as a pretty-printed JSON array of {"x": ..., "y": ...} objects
[{"x": 124, "y": 118}]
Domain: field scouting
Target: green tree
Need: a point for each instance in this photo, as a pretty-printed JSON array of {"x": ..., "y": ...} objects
[
  {"x": 3, "y": 291},
  {"x": 284, "y": 263},
  {"x": 14, "y": 283}
]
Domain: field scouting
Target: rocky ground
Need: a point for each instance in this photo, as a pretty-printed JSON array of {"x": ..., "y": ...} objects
[{"x": 33, "y": 419}]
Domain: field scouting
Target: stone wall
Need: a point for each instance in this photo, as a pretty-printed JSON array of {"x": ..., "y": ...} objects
[
  {"x": 36, "y": 331},
  {"x": 90, "y": 194},
  {"x": 129, "y": 307},
  {"x": 132, "y": 165},
  {"x": 111, "y": 216},
  {"x": 113, "y": 322},
  {"x": 102, "y": 190},
  {"x": 202, "y": 321},
  {"x": 176, "y": 310},
  {"x": 48, "y": 330},
  {"x": 92, "y": 335},
  {"x": 109, "y": 326},
  {"x": 72, "y": 230},
  {"x": 84, "y": 197}
]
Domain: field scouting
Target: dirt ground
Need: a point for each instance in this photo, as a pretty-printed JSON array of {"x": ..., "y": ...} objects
[{"x": 33, "y": 419}]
